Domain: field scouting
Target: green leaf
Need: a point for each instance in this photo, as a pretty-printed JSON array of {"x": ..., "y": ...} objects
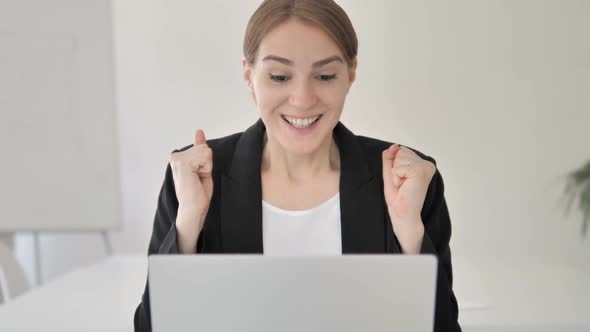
[{"x": 578, "y": 186}]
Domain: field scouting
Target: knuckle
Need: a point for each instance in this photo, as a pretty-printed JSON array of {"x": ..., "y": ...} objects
[
  {"x": 173, "y": 158},
  {"x": 204, "y": 152},
  {"x": 180, "y": 159},
  {"x": 429, "y": 167}
]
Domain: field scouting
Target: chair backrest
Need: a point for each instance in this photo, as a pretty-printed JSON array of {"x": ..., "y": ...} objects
[{"x": 13, "y": 281}]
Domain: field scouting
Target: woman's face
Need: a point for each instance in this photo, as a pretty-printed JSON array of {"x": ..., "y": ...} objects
[{"x": 300, "y": 75}]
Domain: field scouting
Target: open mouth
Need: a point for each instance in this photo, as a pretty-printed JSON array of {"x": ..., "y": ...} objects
[{"x": 302, "y": 123}]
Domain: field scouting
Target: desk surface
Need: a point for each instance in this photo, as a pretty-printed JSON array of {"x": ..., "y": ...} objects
[
  {"x": 523, "y": 294},
  {"x": 100, "y": 297},
  {"x": 517, "y": 294}
]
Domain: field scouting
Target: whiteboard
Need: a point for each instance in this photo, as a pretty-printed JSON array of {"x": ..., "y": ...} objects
[{"x": 58, "y": 133}]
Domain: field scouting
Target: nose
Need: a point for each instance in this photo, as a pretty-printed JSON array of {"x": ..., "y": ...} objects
[{"x": 303, "y": 96}]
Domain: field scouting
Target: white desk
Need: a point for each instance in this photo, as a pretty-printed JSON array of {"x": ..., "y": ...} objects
[
  {"x": 519, "y": 295},
  {"x": 101, "y": 297}
]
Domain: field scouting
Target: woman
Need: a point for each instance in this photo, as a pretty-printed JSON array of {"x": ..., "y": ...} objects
[{"x": 348, "y": 193}]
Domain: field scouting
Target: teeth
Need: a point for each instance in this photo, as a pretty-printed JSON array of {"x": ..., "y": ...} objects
[{"x": 301, "y": 123}]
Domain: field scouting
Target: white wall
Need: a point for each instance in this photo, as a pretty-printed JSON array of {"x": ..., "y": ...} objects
[
  {"x": 58, "y": 139},
  {"x": 496, "y": 91}
]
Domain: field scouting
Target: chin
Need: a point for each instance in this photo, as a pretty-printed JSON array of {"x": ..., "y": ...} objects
[{"x": 302, "y": 145}]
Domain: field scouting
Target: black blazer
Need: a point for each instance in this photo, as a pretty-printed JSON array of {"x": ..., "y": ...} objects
[{"x": 234, "y": 220}]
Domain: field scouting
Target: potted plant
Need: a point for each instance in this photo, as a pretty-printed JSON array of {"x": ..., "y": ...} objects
[{"x": 578, "y": 187}]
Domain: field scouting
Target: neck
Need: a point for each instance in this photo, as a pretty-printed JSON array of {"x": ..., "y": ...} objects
[{"x": 300, "y": 168}]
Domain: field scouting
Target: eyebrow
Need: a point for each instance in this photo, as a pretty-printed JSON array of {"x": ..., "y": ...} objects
[{"x": 315, "y": 65}]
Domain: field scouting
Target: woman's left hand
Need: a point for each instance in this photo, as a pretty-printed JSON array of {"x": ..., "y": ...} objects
[{"x": 406, "y": 178}]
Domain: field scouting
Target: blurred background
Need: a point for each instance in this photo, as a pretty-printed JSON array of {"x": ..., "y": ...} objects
[{"x": 94, "y": 95}]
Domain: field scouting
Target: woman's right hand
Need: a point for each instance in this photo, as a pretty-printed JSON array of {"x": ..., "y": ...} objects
[{"x": 193, "y": 182}]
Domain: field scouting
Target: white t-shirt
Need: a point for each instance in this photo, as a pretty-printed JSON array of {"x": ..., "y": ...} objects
[{"x": 308, "y": 232}]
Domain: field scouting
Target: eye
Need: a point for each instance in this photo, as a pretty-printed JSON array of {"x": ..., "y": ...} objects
[
  {"x": 327, "y": 78},
  {"x": 279, "y": 78}
]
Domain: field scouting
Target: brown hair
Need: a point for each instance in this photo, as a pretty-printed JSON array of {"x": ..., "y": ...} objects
[{"x": 327, "y": 14}]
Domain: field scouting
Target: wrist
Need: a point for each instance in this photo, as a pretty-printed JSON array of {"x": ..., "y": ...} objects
[
  {"x": 189, "y": 221},
  {"x": 187, "y": 233},
  {"x": 410, "y": 237},
  {"x": 188, "y": 210}
]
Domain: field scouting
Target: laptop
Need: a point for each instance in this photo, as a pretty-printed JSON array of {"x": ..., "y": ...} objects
[{"x": 231, "y": 293}]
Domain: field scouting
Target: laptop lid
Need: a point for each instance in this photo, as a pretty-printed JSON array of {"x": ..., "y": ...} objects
[{"x": 259, "y": 293}]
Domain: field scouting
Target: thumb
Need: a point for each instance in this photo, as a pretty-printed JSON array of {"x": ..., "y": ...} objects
[
  {"x": 387, "y": 164},
  {"x": 388, "y": 178},
  {"x": 389, "y": 156},
  {"x": 200, "y": 137}
]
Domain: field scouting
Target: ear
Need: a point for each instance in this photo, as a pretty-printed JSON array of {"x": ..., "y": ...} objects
[
  {"x": 247, "y": 72},
  {"x": 352, "y": 72}
]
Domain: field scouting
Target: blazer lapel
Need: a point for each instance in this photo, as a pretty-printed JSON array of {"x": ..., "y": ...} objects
[
  {"x": 364, "y": 219},
  {"x": 241, "y": 195},
  {"x": 362, "y": 205}
]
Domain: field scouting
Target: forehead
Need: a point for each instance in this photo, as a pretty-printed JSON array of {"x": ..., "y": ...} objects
[{"x": 301, "y": 42}]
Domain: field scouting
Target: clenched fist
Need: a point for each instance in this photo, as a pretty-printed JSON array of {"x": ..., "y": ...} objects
[
  {"x": 193, "y": 182},
  {"x": 406, "y": 178}
]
